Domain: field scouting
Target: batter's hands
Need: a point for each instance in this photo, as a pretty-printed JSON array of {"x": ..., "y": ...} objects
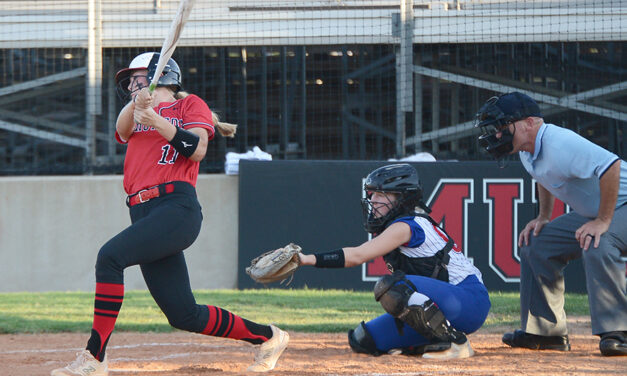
[
  {"x": 144, "y": 98},
  {"x": 144, "y": 113},
  {"x": 591, "y": 231},
  {"x": 534, "y": 225}
]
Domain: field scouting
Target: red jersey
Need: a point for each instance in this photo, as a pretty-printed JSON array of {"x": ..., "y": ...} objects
[{"x": 150, "y": 160}]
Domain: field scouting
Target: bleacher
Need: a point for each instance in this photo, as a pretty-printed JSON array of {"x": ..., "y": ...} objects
[{"x": 321, "y": 76}]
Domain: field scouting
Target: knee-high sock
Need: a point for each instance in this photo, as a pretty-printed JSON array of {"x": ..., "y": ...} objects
[
  {"x": 223, "y": 323},
  {"x": 107, "y": 304}
]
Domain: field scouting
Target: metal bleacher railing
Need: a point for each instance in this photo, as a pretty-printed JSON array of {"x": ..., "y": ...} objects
[{"x": 327, "y": 79}]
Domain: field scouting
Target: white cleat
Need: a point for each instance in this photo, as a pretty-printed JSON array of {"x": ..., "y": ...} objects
[
  {"x": 270, "y": 351},
  {"x": 84, "y": 365},
  {"x": 455, "y": 352}
]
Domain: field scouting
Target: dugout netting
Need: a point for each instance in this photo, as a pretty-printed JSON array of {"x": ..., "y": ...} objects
[{"x": 325, "y": 79}]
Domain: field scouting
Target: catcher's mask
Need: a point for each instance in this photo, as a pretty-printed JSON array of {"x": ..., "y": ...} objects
[
  {"x": 171, "y": 75},
  {"x": 399, "y": 179},
  {"x": 495, "y": 116}
]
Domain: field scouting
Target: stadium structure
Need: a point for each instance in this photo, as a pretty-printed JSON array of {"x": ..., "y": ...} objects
[{"x": 322, "y": 79}]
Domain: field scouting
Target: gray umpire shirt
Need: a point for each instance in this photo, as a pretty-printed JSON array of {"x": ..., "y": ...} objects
[{"x": 570, "y": 167}]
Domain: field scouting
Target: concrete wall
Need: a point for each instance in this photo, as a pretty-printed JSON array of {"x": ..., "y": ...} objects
[{"x": 51, "y": 229}]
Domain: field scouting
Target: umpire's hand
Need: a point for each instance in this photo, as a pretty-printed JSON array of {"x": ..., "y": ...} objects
[
  {"x": 591, "y": 231},
  {"x": 534, "y": 225}
]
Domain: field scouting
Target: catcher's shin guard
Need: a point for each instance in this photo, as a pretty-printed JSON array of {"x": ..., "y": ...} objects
[
  {"x": 426, "y": 319},
  {"x": 361, "y": 341}
]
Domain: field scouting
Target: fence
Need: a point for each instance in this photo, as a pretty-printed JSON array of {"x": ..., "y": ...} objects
[{"x": 325, "y": 79}]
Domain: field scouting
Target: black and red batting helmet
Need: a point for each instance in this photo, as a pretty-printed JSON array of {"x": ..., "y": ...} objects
[{"x": 171, "y": 75}]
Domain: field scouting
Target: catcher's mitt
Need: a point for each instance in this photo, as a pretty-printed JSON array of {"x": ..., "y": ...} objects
[{"x": 274, "y": 266}]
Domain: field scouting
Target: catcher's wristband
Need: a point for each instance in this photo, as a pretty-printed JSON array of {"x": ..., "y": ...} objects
[{"x": 333, "y": 259}]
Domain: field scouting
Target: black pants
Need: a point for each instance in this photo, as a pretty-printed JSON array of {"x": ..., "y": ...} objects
[{"x": 161, "y": 229}]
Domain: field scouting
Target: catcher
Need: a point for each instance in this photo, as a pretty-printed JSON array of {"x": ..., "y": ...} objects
[{"x": 434, "y": 296}]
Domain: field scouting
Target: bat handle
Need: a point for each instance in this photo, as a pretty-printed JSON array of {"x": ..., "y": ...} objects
[{"x": 152, "y": 87}]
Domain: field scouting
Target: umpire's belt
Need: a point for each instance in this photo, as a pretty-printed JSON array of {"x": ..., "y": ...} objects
[{"x": 149, "y": 193}]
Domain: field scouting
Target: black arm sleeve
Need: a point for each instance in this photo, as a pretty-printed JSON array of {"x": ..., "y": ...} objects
[
  {"x": 333, "y": 259},
  {"x": 185, "y": 142}
]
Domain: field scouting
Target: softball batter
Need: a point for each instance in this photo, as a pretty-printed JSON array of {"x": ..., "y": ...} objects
[{"x": 167, "y": 134}]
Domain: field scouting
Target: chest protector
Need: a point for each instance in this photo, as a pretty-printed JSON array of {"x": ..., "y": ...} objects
[{"x": 435, "y": 266}]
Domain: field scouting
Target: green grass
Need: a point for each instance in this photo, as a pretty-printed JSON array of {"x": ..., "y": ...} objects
[{"x": 304, "y": 310}]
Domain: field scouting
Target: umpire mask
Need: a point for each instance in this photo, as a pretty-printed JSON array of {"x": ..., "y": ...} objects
[
  {"x": 494, "y": 118},
  {"x": 491, "y": 120}
]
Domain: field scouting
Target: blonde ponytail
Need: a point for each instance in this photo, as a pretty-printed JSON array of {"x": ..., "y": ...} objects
[
  {"x": 180, "y": 95},
  {"x": 225, "y": 129}
]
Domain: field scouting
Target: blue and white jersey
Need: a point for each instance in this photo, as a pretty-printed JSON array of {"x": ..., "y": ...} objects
[
  {"x": 426, "y": 240},
  {"x": 570, "y": 167}
]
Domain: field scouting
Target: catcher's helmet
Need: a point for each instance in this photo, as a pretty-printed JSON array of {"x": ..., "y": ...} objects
[
  {"x": 498, "y": 112},
  {"x": 171, "y": 75},
  {"x": 401, "y": 179}
]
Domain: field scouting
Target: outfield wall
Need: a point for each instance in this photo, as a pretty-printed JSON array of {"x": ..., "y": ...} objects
[
  {"x": 316, "y": 204},
  {"x": 51, "y": 229}
]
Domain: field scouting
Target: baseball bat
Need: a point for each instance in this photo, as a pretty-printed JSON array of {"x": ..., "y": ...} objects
[{"x": 169, "y": 44}]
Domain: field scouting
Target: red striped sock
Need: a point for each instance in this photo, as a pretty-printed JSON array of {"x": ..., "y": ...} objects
[
  {"x": 107, "y": 304},
  {"x": 223, "y": 323}
]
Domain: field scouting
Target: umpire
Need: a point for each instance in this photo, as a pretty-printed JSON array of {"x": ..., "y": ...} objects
[{"x": 593, "y": 182}]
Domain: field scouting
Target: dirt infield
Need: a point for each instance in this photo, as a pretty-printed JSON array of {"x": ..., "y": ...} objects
[{"x": 308, "y": 354}]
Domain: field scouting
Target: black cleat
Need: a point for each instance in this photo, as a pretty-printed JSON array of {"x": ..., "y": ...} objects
[
  {"x": 613, "y": 344},
  {"x": 535, "y": 342}
]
